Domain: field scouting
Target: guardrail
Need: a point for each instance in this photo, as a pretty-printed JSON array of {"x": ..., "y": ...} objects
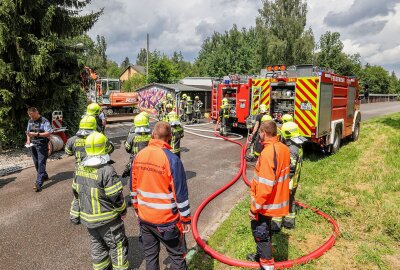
[{"x": 374, "y": 98}]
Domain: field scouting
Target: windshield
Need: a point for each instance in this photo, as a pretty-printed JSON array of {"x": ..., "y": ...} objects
[{"x": 113, "y": 85}]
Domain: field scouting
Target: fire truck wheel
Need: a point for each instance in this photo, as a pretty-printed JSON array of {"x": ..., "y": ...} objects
[
  {"x": 337, "y": 140},
  {"x": 356, "y": 132}
]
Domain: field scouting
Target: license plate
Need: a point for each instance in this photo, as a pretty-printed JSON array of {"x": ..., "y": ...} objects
[{"x": 306, "y": 106}]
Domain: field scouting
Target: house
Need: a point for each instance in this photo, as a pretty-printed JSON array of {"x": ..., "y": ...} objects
[{"x": 130, "y": 71}]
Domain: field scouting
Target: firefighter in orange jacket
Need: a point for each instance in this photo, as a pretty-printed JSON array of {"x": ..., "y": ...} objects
[
  {"x": 269, "y": 192},
  {"x": 160, "y": 199}
]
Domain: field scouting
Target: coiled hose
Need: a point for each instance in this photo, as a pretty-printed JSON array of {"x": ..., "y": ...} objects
[{"x": 247, "y": 264}]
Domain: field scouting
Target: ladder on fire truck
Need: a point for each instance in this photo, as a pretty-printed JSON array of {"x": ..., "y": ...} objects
[{"x": 214, "y": 101}]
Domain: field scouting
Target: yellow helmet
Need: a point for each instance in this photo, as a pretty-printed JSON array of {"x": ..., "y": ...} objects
[
  {"x": 173, "y": 117},
  {"x": 290, "y": 130},
  {"x": 88, "y": 122},
  {"x": 266, "y": 118},
  {"x": 224, "y": 101},
  {"x": 184, "y": 96},
  {"x": 188, "y": 98},
  {"x": 145, "y": 114},
  {"x": 287, "y": 118},
  {"x": 169, "y": 95},
  {"x": 141, "y": 121},
  {"x": 196, "y": 97},
  {"x": 95, "y": 144},
  {"x": 93, "y": 109},
  {"x": 169, "y": 106},
  {"x": 263, "y": 108}
]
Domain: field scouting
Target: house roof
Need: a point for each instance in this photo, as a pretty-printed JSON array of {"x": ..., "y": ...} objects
[
  {"x": 139, "y": 69},
  {"x": 177, "y": 87}
]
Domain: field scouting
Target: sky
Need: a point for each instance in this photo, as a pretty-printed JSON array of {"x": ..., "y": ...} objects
[{"x": 368, "y": 27}]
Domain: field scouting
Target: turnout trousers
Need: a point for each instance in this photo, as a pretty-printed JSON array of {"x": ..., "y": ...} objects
[
  {"x": 289, "y": 220},
  {"x": 261, "y": 230},
  {"x": 172, "y": 238},
  {"x": 109, "y": 246},
  {"x": 39, "y": 155}
]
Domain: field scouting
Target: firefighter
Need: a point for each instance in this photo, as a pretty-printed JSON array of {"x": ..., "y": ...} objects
[
  {"x": 159, "y": 107},
  {"x": 177, "y": 133},
  {"x": 254, "y": 138},
  {"x": 168, "y": 100},
  {"x": 189, "y": 109},
  {"x": 291, "y": 137},
  {"x": 76, "y": 144},
  {"x": 161, "y": 200},
  {"x": 99, "y": 205},
  {"x": 269, "y": 192},
  {"x": 224, "y": 116},
  {"x": 286, "y": 118},
  {"x": 138, "y": 138},
  {"x": 94, "y": 110},
  {"x": 182, "y": 107},
  {"x": 168, "y": 110},
  {"x": 197, "y": 104},
  {"x": 37, "y": 138}
]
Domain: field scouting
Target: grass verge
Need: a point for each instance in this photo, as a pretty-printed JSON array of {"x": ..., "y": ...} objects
[{"x": 359, "y": 187}]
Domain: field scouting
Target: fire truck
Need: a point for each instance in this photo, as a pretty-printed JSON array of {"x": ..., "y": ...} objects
[
  {"x": 323, "y": 104},
  {"x": 107, "y": 93}
]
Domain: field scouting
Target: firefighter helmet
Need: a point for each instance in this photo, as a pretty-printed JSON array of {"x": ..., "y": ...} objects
[
  {"x": 196, "y": 97},
  {"x": 173, "y": 117},
  {"x": 287, "y": 118},
  {"x": 145, "y": 114},
  {"x": 95, "y": 144},
  {"x": 266, "y": 118},
  {"x": 184, "y": 96},
  {"x": 141, "y": 121},
  {"x": 88, "y": 122},
  {"x": 224, "y": 101},
  {"x": 263, "y": 108},
  {"x": 93, "y": 109},
  {"x": 188, "y": 98},
  {"x": 290, "y": 130},
  {"x": 168, "y": 106},
  {"x": 169, "y": 96}
]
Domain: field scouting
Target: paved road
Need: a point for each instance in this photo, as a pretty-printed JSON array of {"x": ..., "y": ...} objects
[{"x": 35, "y": 229}]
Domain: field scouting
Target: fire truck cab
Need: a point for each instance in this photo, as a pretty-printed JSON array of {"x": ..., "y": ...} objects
[{"x": 324, "y": 105}]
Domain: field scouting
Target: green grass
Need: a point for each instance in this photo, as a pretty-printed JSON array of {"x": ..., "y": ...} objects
[{"x": 359, "y": 187}]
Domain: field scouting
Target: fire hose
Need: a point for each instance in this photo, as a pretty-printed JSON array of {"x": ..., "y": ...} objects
[{"x": 247, "y": 264}]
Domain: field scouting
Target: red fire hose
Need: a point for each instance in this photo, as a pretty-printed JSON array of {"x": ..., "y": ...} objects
[{"x": 239, "y": 263}]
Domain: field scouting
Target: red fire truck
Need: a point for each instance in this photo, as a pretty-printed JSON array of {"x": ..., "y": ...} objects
[{"x": 324, "y": 105}]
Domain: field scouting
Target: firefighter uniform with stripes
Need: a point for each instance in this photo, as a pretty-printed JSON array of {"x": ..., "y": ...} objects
[
  {"x": 161, "y": 201},
  {"x": 177, "y": 133},
  {"x": 291, "y": 137},
  {"x": 138, "y": 138},
  {"x": 99, "y": 205},
  {"x": 269, "y": 192},
  {"x": 224, "y": 114}
]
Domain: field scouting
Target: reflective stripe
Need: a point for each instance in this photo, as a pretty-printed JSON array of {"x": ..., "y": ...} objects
[
  {"x": 184, "y": 204},
  {"x": 269, "y": 206},
  {"x": 185, "y": 213},
  {"x": 267, "y": 267},
  {"x": 93, "y": 200},
  {"x": 92, "y": 218},
  {"x": 277, "y": 219},
  {"x": 133, "y": 193},
  {"x": 102, "y": 265},
  {"x": 157, "y": 205},
  {"x": 68, "y": 152},
  {"x": 283, "y": 178},
  {"x": 264, "y": 181},
  {"x": 156, "y": 195},
  {"x": 113, "y": 189},
  {"x": 119, "y": 253},
  {"x": 288, "y": 167},
  {"x": 133, "y": 201},
  {"x": 74, "y": 213}
]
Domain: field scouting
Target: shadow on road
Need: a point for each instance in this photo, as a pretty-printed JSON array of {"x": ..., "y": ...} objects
[
  {"x": 6, "y": 181},
  {"x": 135, "y": 256},
  {"x": 59, "y": 177},
  {"x": 190, "y": 174}
]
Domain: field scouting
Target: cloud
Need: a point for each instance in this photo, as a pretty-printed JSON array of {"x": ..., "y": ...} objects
[
  {"x": 368, "y": 28},
  {"x": 360, "y": 10}
]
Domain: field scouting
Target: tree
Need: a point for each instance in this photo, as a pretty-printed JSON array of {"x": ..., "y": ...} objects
[
  {"x": 162, "y": 69},
  {"x": 141, "y": 57},
  {"x": 113, "y": 71},
  {"x": 39, "y": 62},
  {"x": 394, "y": 84},
  {"x": 280, "y": 29},
  {"x": 136, "y": 81},
  {"x": 377, "y": 78},
  {"x": 126, "y": 63},
  {"x": 331, "y": 55}
]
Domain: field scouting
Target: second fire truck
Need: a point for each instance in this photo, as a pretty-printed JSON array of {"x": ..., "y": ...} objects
[{"x": 323, "y": 104}]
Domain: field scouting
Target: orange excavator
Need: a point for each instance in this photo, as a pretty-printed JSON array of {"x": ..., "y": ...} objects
[{"x": 108, "y": 94}]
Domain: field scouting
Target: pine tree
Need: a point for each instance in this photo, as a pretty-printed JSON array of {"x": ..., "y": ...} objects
[{"x": 39, "y": 61}]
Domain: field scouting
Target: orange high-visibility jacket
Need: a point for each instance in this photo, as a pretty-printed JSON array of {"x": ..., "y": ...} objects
[
  {"x": 270, "y": 184},
  {"x": 159, "y": 189}
]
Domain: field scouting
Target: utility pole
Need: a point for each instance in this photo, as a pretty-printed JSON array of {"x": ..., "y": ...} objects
[{"x": 147, "y": 60}]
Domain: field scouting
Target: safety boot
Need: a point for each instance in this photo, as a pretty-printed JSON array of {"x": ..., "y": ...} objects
[{"x": 254, "y": 257}]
